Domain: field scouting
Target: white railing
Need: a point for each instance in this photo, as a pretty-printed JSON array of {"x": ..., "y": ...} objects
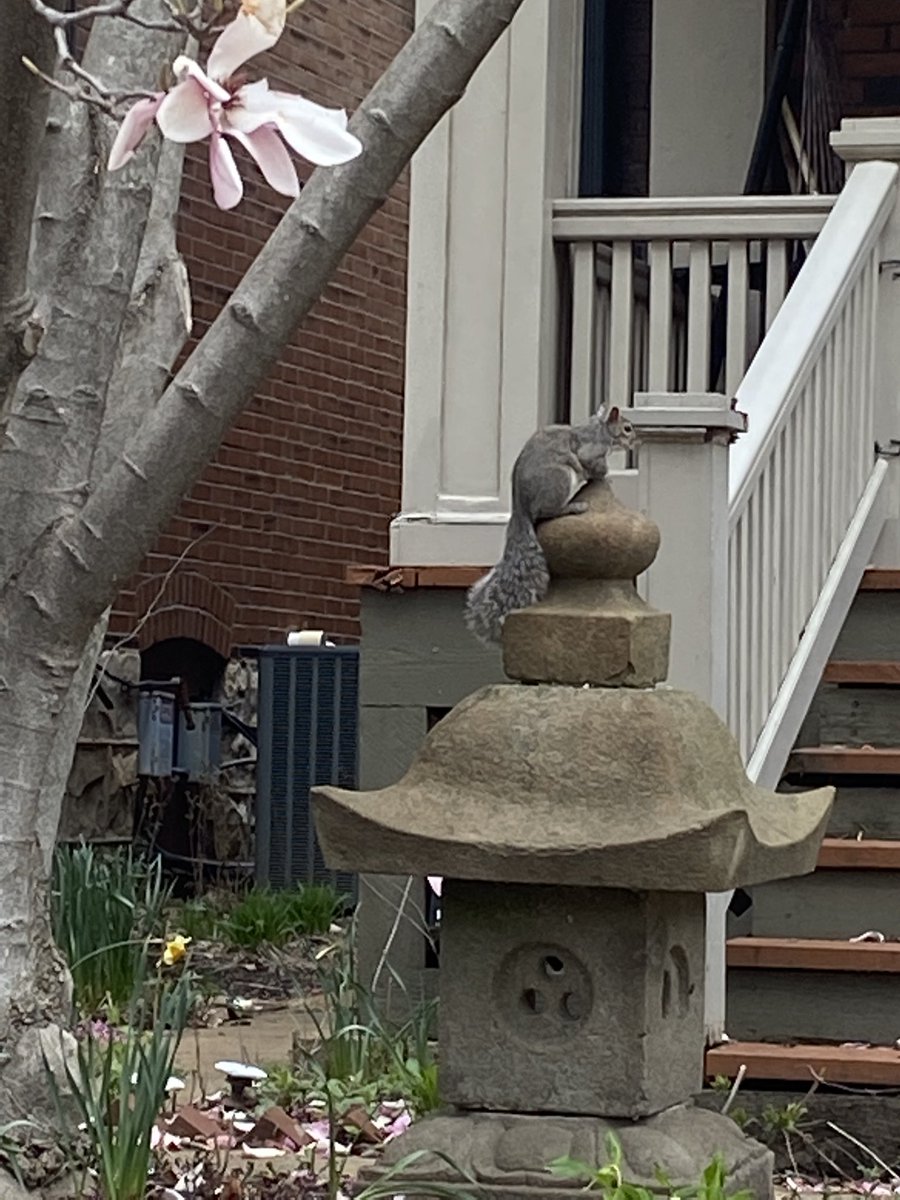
[
  {"x": 674, "y": 295},
  {"x": 805, "y": 487}
]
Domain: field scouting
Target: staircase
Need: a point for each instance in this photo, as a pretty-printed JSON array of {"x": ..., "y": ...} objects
[
  {"x": 776, "y": 622},
  {"x": 804, "y": 998}
]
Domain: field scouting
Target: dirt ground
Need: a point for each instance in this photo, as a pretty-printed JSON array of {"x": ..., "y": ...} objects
[{"x": 265, "y": 1037}]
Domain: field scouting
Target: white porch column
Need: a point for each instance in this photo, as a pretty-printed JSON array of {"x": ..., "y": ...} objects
[
  {"x": 481, "y": 346},
  {"x": 683, "y": 485},
  {"x": 862, "y": 140},
  {"x": 707, "y": 82}
]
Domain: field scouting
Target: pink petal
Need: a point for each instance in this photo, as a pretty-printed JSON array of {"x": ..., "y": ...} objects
[
  {"x": 227, "y": 186},
  {"x": 132, "y": 131},
  {"x": 245, "y": 37},
  {"x": 184, "y": 113},
  {"x": 318, "y": 134},
  {"x": 268, "y": 151}
]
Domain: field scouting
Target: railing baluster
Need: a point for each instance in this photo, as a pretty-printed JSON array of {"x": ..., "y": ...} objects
[
  {"x": 736, "y": 333},
  {"x": 621, "y": 326},
  {"x": 767, "y": 592},
  {"x": 743, "y": 613},
  {"x": 776, "y": 277},
  {"x": 584, "y": 299},
  {"x": 660, "y": 316},
  {"x": 698, "y": 322}
]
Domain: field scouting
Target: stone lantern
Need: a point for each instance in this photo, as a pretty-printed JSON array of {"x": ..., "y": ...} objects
[{"x": 578, "y": 816}]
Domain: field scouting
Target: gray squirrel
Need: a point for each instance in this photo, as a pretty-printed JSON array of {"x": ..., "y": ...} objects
[{"x": 553, "y": 466}]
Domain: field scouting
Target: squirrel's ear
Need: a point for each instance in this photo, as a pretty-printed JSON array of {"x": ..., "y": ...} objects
[{"x": 612, "y": 416}]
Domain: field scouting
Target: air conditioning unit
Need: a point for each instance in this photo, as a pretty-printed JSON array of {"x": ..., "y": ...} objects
[{"x": 308, "y": 734}]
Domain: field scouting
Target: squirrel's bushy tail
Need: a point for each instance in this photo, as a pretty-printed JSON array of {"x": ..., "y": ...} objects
[{"x": 519, "y": 579}]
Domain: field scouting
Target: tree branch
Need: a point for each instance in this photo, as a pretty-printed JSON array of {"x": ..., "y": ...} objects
[
  {"x": 93, "y": 225},
  {"x": 141, "y": 491},
  {"x": 178, "y": 23},
  {"x": 23, "y": 114},
  {"x": 157, "y": 320}
]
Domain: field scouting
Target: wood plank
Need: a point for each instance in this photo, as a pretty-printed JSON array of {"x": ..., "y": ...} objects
[
  {"x": 384, "y": 578},
  {"x": 806, "y": 1006},
  {"x": 850, "y": 854},
  {"x": 862, "y": 672},
  {"x": 845, "y": 760},
  {"x": 813, "y": 954},
  {"x": 452, "y": 577},
  {"x": 880, "y": 579},
  {"x": 836, "y": 904},
  {"x": 868, "y": 1065}
]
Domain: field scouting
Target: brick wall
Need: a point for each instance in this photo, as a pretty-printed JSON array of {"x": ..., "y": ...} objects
[
  {"x": 309, "y": 478},
  {"x": 867, "y": 33}
]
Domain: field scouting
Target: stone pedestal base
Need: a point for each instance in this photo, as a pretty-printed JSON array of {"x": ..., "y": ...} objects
[{"x": 508, "y": 1155}]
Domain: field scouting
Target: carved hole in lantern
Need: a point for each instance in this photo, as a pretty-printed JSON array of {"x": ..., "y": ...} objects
[{"x": 532, "y": 1000}]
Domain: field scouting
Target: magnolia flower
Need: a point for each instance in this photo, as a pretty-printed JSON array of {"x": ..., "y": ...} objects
[{"x": 219, "y": 104}]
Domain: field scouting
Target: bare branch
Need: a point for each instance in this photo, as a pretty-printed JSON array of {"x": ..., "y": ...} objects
[
  {"x": 187, "y": 22},
  {"x": 114, "y": 8},
  {"x": 100, "y": 96}
]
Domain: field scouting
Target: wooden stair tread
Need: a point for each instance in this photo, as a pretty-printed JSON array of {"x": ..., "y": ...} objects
[
  {"x": 813, "y": 954},
  {"x": 874, "y": 671},
  {"x": 859, "y": 854},
  {"x": 869, "y": 1065},
  {"x": 845, "y": 760},
  {"x": 880, "y": 579}
]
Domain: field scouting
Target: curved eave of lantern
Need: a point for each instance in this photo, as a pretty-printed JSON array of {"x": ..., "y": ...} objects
[{"x": 586, "y": 787}]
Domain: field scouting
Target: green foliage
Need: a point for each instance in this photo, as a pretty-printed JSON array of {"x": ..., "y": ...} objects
[
  {"x": 104, "y": 908},
  {"x": 386, "y": 1187},
  {"x": 118, "y": 1087},
  {"x": 197, "y": 919},
  {"x": 317, "y": 905},
  {"x": 609, "y": 1179},
  {"x": 360, "y": 1048},
  {"x": 283, "y": 1086},
  {"x": 785, "y": 1119},
  {"x": 264, "y": 917}
]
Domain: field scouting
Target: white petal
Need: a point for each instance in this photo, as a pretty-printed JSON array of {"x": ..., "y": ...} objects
[
  {"x": 226, "y": 182},
  {"x": 184, "y": 115},
  {"x": 269, "y": 153},
  {"x": 319, "y": 134},
  {"x": 245, "y": 37},
  {"x": 186, "y": 68},
  {"x": 252, "y": 105},
  {"x": 132, "y": 131}
]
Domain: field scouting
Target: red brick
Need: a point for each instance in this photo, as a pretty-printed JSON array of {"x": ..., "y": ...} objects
[
  {"x": 861, "y": 66},
  {"x": 862, "y": 37},
  {"x": 871, "y": 12},
  {"x": 309, "y": 478}
]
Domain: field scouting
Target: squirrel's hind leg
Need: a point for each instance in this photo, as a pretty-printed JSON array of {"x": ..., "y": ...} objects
[{"x": 574, "y": 508}]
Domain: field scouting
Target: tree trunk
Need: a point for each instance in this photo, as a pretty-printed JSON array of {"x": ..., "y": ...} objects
[{"x": 81, "y": 503}]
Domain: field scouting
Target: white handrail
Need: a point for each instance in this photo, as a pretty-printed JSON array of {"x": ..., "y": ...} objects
[
  {"x": 685, "y": 218},
  {"x": 805, "y": 489},
  {"x": 805, "y": 318}
]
